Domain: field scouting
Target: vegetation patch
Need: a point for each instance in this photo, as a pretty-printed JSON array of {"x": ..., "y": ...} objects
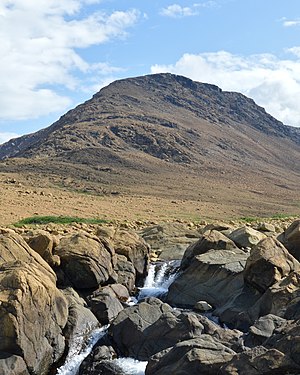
[{"x": 34, "y": 220}]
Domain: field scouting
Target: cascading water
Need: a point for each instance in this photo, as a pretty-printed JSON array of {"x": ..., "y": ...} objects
[
  {"x": 160, "y": 277},
  {"x": 80, "y": 350}
]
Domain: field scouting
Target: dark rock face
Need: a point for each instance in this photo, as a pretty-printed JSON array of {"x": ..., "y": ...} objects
[
  {"x": 215, "y": 277},
  {"x": 202, "y": 355}
]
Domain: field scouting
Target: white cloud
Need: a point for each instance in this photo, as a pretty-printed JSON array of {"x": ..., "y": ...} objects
[
  {"x": 291, "y": 23},
  {"x": 6, "y": 136},
  {"x": 271, "y": 82},
  {"x": 39, "y": 50},
  {"x": 177, "y": 11}
]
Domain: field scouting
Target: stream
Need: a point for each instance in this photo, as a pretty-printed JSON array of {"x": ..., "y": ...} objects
[{"x": 159, "y": 278}]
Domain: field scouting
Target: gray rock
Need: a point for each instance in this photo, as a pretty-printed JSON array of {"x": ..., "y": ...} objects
[
  {"x": 11, "y": 364},
  {"x": 202, "y": 355},
  {"x": 246, "y": 237}
]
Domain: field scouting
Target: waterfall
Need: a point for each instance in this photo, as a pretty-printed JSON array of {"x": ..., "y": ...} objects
[
  {"x": 160, "y": 277},
  {"x": 80, "y": 350}
]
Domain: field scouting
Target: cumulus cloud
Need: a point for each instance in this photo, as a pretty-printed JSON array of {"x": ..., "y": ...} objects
[
  {"x": 6, "y": 136},
  {"x": 177, "y": 11},
  {"x": 271, "y": 82},
  {"x": 39, "y": 52}
]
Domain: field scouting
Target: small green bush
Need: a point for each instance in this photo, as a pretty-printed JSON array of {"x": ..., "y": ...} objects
[{"x": 33, "y": 220}]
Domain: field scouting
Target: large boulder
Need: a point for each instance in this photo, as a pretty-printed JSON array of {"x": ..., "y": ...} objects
[
  {"x": 202, "y": 355},
  {"x": 125, "y": 271},
  {"x": 105, "y": 304},
  {"x": 12, "y": 365},
  {"x": 170, "y": 240},
  {"x": 81, "y": 321},
  {"x": 246, "y": 237},
  {"x": 136, "y": 319},
  {"x": 42, "y": 242},
  {"x": 291, "y": 239},
  {"x": 133, "y": 247},
  {"x": 281, "y": 299},
  {"x": 215, "y": 277},
  {"x": 13, "y": 247},
  {"x": 268, "y": 263},
  {"x": 210, "y": 240},
  {"x": 33, "y": 313},
  {"x": 86, "y": 260},
  {"x": 260, "y": 361}
]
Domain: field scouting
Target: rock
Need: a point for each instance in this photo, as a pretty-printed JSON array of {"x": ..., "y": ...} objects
[
  {"x": 33, "y": 313},
  {"x": 170, "y": 240},
  {"x": 136, "y": 319},
  {"x": 134, "y": 248},
  {"x": 260, "y": 361},
  {"x": 210, "y": 240},
  {"x": 202, "y": 355},
  {"x": 215, "y": 277},
  {"x": 105, "y": 305},
  {"x": 291, "y": 239},
  {"x": 13, "y": 247},
  {"x": 202, "y": 306},
  {"x": 246, "y": 237},
  {"x": 268, "y": 263},
  {"x": 42, "y": 242},
  {"x": 281, "y": 299},
  {"x": 85, "y": 260},
  {"x": 266, "y": 227},
  {"x": 12, "y": 365},
  {"x": 81, "y": 321},
  {"x": 100, "y": 368},
  {"x": 262, "y": 329},
  {"x": 125, "y": 272}
]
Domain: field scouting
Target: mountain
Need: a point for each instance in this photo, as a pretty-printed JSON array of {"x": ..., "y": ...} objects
[{"x": 148, "y": 133}]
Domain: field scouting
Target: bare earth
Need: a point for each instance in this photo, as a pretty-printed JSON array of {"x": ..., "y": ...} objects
[{"x": 23, "y": 196}]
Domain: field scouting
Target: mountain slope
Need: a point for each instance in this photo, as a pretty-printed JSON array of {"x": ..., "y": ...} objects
[{"x": 165, "y": 134}]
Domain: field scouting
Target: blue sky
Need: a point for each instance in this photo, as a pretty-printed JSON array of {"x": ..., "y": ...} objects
[{"x": 58, "y": 53}]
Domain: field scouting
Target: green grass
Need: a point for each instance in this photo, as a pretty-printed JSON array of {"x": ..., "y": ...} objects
[
  {"x": 34, "y": 220},
  {"x": 274, "y": 217}
]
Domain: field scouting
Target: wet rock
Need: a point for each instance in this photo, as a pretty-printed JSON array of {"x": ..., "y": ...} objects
[
  {"x": 202, "y": 355},
  {"x": 100, "y": 368}
]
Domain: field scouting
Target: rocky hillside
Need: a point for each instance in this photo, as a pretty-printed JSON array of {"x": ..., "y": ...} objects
[{"x": 188, "y": 136}]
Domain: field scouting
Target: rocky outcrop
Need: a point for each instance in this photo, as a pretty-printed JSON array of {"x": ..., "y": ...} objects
[
  {"x": 33, "y": 313},
  {"x": 291, "y": 239},
  {"x": 86, "y": 260},
  {"x": 210, "y": 240},
  {"x": 125, "y": 271},
  {"x": 170, "y": 240},
  {"x": 42, "y": 242},
  {"x": 268, "y": 263},
  {"x": 246, "y": 237},
  {"x": 215, "y": 277},
  {"x": 202, "y": 355}
]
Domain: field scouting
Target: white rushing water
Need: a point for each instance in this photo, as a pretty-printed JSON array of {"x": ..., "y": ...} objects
[
  {"x": 131, "y": 366},
  {"x": 159, "y": 278},
  {"x": 80, "y": 350}
]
